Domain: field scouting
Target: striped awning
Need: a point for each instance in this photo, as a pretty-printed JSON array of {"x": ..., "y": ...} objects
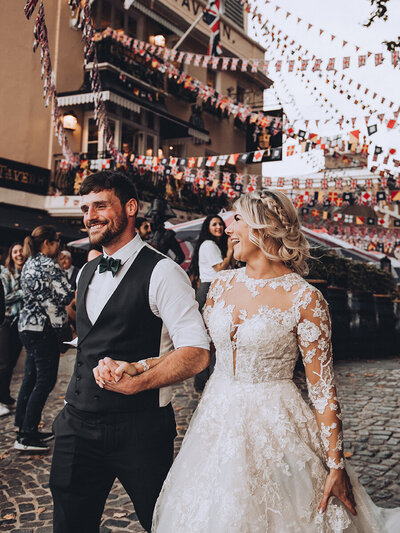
[{"x": 87, "y": 98}]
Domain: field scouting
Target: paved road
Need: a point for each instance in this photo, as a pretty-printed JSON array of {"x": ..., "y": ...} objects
[{"x": 370, "y": 396}]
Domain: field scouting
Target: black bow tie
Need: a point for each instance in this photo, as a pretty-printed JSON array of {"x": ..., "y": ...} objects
[{"x": 108, "y": 263}]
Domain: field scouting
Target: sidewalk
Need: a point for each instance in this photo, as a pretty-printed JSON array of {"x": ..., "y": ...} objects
[{"x": 370, "y": 397}]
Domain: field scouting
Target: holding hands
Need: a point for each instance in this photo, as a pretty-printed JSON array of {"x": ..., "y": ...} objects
[{"x": 117, "y": 375}]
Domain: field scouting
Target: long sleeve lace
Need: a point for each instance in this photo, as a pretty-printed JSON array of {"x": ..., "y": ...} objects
[{"x": 314, "y": 339}]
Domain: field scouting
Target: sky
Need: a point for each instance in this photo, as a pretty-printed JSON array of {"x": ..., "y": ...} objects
[{"x": 344, "y": 19}]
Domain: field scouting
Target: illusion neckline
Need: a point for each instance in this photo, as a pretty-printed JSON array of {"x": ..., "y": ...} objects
[{"x": 265, "y": 280}]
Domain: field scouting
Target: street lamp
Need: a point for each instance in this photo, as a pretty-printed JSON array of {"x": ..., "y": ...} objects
[{"x": 70, "y": 121}]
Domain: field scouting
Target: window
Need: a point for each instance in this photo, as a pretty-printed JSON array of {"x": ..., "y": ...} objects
[
  {"x": 211, "y": 78},
  {"x": 131, "y": 27},
  {"x": 150, "y": 141},
  {"x": 107, "y": 13},
  {"x": 240, "y": 93},
  {"x": 233, "y": 10},
  {"x": 119, "y": 19},
  {"x": 93, "y": 138}
]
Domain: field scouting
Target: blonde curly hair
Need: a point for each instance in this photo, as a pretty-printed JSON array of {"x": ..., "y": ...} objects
[{"x": 272, "y": 217}]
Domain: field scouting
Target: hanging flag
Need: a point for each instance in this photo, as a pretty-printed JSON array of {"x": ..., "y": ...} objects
[
  {"x": 346, "y": 62},
  {"x": 370, "y": 221},
  {"x": 337, "y": 217},
  {"x": 331, "y": 64},
  {"x": 244, "y": 157},
  {"x": 211, "y": 16},
  {"x": 258, "y": 155},
  {"x": 391, "y": 123},
  {"x": 354, "y": 136},
  {"x": 372, "y": 129},
  {"x": 362, "y": 60},
  {"x": 232, "y": 159},
  {"x": 359, "y": 220},
  {"x": 290, "y": 151},
  {"x": 211, "y": 161}
]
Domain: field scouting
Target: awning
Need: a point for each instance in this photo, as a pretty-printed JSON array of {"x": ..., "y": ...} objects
[
  {"x": 24, "y": 220},
  {"x": 88, "y": 98},
  {"x": 175, "y": 126}
]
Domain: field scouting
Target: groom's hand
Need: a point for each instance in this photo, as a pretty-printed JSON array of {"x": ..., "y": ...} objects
[{"x": 108, "y": 372}]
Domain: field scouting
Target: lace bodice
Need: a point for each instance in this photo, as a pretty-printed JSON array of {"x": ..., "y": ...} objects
[{"x": 259, "y": 327}]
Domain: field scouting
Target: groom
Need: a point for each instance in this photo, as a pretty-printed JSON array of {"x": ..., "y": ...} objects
[{"x": 132, "y": 303}]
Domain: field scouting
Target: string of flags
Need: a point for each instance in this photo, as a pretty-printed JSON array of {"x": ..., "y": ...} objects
[
  {"x": 368, "y": 237},
  {"x": 318, "y": 64},
  {"x": 204, "y": 91},
  {"x": 49, "y": 89},
  {"x": 306, "y": 23},
  {"x": 90, "y": 56},
  {"x": 247, "y": 64},
  {"x": 355, "y": 93}
]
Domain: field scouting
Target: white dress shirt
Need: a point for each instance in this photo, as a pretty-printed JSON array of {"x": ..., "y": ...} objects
[
  {"x": 171, "y": 298},
  {"x": 209, "y": 256}
]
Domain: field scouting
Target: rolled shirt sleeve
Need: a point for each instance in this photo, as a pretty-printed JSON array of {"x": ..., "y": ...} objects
[{"x": 171, "y": 298}]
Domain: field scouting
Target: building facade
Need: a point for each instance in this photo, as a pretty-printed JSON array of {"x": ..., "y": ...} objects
[{"x": 148, "y": 113}]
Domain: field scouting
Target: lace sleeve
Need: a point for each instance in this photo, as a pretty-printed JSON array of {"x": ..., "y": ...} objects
[
  {"x": 314, "y": 338},
  {"x": 215, "y": 292}
]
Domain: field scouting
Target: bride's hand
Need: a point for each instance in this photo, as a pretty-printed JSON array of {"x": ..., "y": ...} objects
[
  {"x": 110, "y": 371},
  {"x": 338, "y": 484}
]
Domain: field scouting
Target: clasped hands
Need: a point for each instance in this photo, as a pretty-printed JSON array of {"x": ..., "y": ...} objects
[{"x": 117, "y": 376}]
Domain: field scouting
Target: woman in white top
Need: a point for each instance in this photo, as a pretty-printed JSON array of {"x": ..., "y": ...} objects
[{"x": 213, "y": 253}]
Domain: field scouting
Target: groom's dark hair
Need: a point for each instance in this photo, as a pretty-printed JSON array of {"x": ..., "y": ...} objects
[{"x": 110, "y": 180}]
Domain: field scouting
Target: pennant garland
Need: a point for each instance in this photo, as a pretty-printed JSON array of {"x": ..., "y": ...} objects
[{"x": 49, "y": 91}]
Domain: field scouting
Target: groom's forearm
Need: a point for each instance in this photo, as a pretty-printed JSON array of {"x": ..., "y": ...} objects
[{"x": 179, "y": 365}]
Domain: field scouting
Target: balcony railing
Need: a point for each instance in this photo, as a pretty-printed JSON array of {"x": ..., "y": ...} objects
[{"x": 109, "y": 51}]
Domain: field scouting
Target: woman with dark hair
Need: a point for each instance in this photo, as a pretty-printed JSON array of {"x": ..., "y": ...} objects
[
  {"x": 10, "y": 344},
  {"x": 46, "y": 292},
  {"x": 212, "y": 253}
]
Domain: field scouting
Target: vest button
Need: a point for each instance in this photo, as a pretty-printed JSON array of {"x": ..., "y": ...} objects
[
  {"x": 78, "y": 378},
  {"x": 76, "y": 393},
  {"x": 96, "y": 397},
  {"x": 78, "y": 363}
]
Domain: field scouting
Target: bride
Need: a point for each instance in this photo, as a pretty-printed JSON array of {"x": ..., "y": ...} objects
[{"x": 255, "y": 458}]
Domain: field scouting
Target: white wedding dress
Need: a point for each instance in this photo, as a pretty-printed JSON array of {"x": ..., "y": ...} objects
[{"x": 254, "y": 458}]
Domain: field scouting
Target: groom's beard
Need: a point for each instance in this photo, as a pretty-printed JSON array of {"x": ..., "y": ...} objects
[{"x": 110, "y": 232}]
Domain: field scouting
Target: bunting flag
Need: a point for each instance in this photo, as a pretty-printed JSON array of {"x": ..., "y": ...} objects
[
  {"x": 49, "y": 90},
  {"x": 211, "y": 16}
]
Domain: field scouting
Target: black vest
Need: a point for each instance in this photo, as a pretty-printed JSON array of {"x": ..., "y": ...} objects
[{"x": 126, "y": 329}]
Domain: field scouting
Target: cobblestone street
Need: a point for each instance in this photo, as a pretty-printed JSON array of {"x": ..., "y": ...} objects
[{"x": 369, "y": 392}]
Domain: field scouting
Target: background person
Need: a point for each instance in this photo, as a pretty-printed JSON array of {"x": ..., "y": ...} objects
[
  {"x": 212, "y": 253},
  {"x": 46, "y": 292},
  {"x": 71, "y": 271},
  {"x": 10, "y": 343},
  {"x": 143, "y": 227},
  {"x": 163, "y": 239}
]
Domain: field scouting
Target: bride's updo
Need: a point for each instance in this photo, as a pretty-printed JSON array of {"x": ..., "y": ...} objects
[{"x": 271, "y": 216}]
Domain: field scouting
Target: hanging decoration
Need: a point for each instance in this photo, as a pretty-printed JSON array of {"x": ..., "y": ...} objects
[
  {"x": 90, "y": 56},
  {"x": 49, "y": 91},
  {"x": 244, "y": 64},
  {"x": 205, "y": 92}
]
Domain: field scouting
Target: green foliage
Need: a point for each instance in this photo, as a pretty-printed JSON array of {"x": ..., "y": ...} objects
[
  {"x": 349, "y": 274},
  {"x": 381, "y": 11}
]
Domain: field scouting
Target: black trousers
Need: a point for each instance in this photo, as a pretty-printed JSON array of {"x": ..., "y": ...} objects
[
  {"x": 10, "y": 348},
  {"x": 41, "y": 367},
  {"x": 92, "y": 450}
]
